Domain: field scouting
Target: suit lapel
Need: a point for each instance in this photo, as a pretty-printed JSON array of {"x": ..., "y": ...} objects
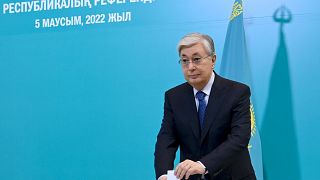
[{"x": 213, "y": 106}]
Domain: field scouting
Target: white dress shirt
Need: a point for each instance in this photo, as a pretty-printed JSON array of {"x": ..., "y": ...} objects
[{"x": 206, "y": 90}]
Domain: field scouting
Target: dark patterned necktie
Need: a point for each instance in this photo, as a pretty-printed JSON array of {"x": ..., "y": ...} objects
[{"x": 202, "y": 107}]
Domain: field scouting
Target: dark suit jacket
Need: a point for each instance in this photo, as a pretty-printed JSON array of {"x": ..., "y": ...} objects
[{"x": 222, "y": 143}]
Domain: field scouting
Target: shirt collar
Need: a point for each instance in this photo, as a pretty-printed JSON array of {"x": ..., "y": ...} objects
[{"x": 207, "y": 87}]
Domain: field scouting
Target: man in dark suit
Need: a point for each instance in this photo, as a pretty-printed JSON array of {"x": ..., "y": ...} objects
[{"x": 208, "y": 117}]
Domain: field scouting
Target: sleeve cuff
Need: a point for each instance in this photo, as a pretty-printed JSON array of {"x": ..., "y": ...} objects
[{"x": 204, "y": 167}]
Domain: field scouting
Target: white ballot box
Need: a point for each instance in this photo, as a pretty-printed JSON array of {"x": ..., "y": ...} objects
[{"x": 171, "y": 176}]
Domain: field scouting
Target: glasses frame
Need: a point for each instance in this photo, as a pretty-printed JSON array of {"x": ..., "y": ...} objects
[{"x": 196, "y": 62}]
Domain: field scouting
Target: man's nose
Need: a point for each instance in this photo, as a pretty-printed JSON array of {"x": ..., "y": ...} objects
[{"x": 191, "y": 66}]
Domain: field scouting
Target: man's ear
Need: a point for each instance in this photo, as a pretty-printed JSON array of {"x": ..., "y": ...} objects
[{"x": 214, "y": 58}]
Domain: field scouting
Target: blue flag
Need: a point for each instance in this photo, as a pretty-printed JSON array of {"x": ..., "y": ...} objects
[
  {"x": 235, "y": 65},
  {"x": 280, "y": 145}
]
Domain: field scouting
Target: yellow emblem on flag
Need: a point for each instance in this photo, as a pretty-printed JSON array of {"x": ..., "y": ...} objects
[
  {"x": 253, "y": 124},
  {"x": 236, "y": 10},
  {"x": 253, "y": 121}
]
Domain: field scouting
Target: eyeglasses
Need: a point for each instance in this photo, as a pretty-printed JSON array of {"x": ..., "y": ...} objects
[{"x": 195, "y": 60}]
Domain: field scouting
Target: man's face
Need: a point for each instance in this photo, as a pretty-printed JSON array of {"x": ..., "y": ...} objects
[{"x": 197, "y": 75}]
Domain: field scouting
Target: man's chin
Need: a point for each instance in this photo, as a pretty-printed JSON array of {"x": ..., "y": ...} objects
[{"x": 193, "y": 82}]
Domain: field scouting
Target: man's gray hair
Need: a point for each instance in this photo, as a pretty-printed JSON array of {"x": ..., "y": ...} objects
[{"x": 195, "y": 38}]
